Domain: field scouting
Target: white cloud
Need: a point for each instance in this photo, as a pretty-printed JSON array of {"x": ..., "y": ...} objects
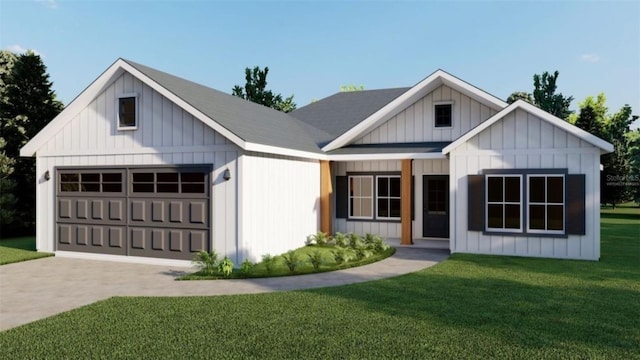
[
  {"x": 592, "y": 58},
  {"x": 51, "y": 4},
  {"x": 20, "y": 50}
]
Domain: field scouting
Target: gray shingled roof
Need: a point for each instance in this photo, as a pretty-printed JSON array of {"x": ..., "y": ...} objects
[
  {"x": 392, "y": 148},
  {"x": 334, "y": 115},
  {"x": 249, "y": 121}
]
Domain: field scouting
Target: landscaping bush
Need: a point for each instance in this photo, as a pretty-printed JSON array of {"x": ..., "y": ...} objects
[
  {"x": 206, "y": 261},
  {"x": 291, "y": 260},
  {"x": 315, "y": 258},
  {"x": 269, "y": 262},
  {"x": 320, "y": 238},
  {"x": 225, "y": 267},
  {"x": 247, "y": 268},
  {"x": 342, "y": 255},
  {"x": 341, "y": 240}
]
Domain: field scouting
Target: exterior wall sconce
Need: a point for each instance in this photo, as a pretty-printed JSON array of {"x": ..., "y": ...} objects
[
  {"x": 226, "y": 175},
  {"x": 47, "y": 175}
]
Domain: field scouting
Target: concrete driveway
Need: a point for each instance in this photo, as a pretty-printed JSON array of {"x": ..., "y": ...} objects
[{"x": 37, "y": 289}]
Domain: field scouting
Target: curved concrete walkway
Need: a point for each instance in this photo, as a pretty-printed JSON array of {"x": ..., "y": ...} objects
[{"x": 37, "y": 289}]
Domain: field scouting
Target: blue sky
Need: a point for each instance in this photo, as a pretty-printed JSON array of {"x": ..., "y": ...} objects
[{"x": 312, "y": 47}]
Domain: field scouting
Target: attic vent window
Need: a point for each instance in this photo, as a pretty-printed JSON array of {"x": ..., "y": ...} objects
[
  {"x": 443, "y": 114},
  {"x": 127, "y": 112}
]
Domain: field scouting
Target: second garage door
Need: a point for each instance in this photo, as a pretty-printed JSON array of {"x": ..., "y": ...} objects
[{"x": 150, "y": 212}]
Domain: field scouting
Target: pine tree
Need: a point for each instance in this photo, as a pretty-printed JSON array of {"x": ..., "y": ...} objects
[{"x": 27, "y": 104}]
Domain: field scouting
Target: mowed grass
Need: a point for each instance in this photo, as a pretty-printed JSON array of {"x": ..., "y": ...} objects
[
  {"x": 19, "y": 249},
  {"x": 468, "y": 307}
]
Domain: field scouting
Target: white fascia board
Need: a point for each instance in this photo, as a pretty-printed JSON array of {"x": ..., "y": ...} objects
[
  {"x": 386, "y": 112},
  {"x": 425, "y": 86},
  {"x": 479, "y": 128},
  {"x": 473, "y": 92},
  {"x": 72, "y": 109},
  {"x": 393, "y": 156},
  {"x": 605, "y": 146},
  {"x": 283, "y": 151},
  {"x": 183, "y": 104},
  {"x": 553, "y": 120}
]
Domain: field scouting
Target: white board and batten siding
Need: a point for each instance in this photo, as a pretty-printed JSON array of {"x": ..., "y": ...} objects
[
  {"x": 279, "y": 201},
  {"x": 165, "y": 135},
  {"x": 382, "y": 228},
  {"x": 524, "y": 141},
  {"x": 416, "y": 122}
]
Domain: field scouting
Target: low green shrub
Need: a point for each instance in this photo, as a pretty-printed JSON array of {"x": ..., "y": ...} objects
[
  {"x": 341, "y": 240},
  {"x": 320, "y": 238},
  {"x": 342, "y": 255},
  {"x": 315, "y": 258},
  {"x": 225, "y": 267},
  {"x": 246, "y": 268},
  {"x": 355, "y": 240},
  {"x": 291, "y": 260},
  {"x": 206, "y": 261},
  {"x": 269, "y": 262}
]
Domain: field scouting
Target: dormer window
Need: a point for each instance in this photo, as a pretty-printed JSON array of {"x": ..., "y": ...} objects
[
  {"x": 127, "y": 112},
  {"x": 443, "y": 114}
]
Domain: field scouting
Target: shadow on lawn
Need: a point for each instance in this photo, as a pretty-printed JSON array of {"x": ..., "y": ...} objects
[
  {"x": 23, "y": 243},
  {"x": 512, "y": 312},
  {"x": 619, "y": 216}
]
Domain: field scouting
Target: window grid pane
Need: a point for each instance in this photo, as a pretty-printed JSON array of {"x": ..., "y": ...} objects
[
  {"x": 546, "y": 203},
  {"x": 388, "y": 197},
  {"x": 504, "y": 202},
  {"x": 360, "y": 196}
]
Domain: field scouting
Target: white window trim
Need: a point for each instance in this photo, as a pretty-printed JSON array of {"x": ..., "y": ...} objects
[
  {"x": 564, "y": 217},
  {"x": 373, "y": 195},
  {"x": 388, "y": 197},
  {"x": 444, "y": 102},
  {"x": 486, "y": 205},
  {"x": 137, "y": 115}
]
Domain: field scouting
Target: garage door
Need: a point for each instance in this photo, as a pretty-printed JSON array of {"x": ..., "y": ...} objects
[{"x": 151, "y": 212}]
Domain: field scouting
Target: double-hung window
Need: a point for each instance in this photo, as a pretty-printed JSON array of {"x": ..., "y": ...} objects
[
  {"x": 546, "y": 203},
  {"x": 536, "y": 202},
  {"x": 388, "y": 195},
  {"x": 361, "y": 197},
  {"x": 374, "y": 197},
  {"x": 504, "y": 203}
]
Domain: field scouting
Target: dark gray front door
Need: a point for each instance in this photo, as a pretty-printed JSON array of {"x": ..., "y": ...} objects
[
  {"x": 435, "y": 206},
  {"x": 150, "y": 212}
]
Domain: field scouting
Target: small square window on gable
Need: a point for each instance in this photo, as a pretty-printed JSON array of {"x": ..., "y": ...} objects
[
  {"x": 127, "y": 112},
  {"x": 443, "y": 113}
]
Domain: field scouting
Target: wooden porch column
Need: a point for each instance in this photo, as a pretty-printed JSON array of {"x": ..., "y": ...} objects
[
  {"x": 405, "y": 200},
  {"x": 326, "y": 192}
]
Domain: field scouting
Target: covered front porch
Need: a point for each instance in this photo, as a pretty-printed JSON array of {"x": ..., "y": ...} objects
[{"x": 401, "y": 194}]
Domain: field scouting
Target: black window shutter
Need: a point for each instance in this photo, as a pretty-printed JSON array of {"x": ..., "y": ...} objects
[
  {"x": 413, "y": 197},
  {"x": 575, "y": 205},
  {"x": 342, "y": 197},
  {"x": 476, "y": 205}
]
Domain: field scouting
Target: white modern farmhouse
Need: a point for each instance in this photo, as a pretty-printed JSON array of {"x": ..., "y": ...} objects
[{"x": 145, "y": 166}]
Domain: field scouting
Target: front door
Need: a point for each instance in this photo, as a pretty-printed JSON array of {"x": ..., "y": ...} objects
[{"x": 435, "y": 206}]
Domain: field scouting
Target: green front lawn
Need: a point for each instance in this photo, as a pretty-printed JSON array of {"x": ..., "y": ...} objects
[
  {"x": 19, "y": 249},
  {"x": 468, "y": 307}
]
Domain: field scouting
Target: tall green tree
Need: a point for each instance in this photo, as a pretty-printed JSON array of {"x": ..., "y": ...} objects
[
  {"x": 544, "y": 95},
  {"x": 27, "y": 104},
  {"x": 615, "y": 187},
  {"x": 255, "y": 90},
  {"x": 520, "y": 95},
  {"x": 633, "y": 156},
  {"x": 589, "y": 120},
  {"x": 546, "y": 98}
]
